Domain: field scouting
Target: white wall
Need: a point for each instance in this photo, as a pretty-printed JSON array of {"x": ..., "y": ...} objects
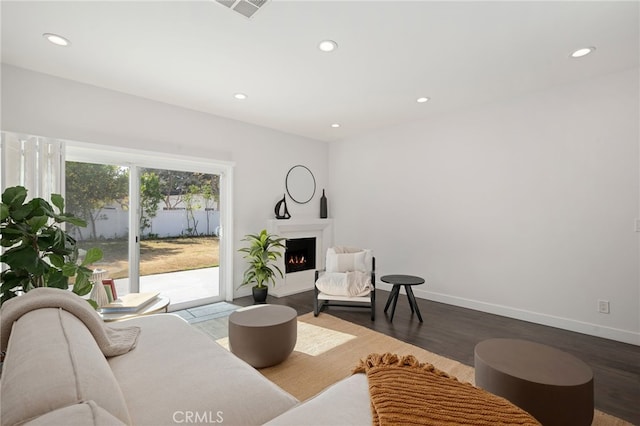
[
  {"x": 524, "y": 208},
  {"x": 40, "y": 104}
]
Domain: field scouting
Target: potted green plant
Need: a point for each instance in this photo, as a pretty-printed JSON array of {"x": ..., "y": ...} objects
[
  {"x": 263, "y": 249},
  {"x": 39, "y": 253}
]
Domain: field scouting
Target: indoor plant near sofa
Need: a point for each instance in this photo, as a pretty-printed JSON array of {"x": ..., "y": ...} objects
[
  {"x": 39, "y": 252},
  {"x": 263, "y": 249}
]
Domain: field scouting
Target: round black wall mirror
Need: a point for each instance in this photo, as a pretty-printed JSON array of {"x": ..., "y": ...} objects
[{"x": 300, "y": 183}]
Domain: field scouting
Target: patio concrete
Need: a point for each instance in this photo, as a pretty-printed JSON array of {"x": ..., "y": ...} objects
[{"x": 181, "y": 287}]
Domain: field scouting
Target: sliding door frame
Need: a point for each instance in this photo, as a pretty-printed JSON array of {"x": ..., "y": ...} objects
[
  {"x": 134, "y": 221},
  {"x": 136, "y": 159}
]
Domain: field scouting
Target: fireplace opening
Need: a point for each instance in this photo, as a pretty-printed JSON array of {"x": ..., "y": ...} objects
[{"x": 300, "y": 254}]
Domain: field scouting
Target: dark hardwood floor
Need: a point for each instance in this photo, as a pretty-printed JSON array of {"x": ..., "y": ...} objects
[{"x": 453, "y": 332}]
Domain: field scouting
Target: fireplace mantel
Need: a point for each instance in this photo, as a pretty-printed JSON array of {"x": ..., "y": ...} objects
[
  {"x": 322, "y": 230},
  {"x": 281, "y": 226}
]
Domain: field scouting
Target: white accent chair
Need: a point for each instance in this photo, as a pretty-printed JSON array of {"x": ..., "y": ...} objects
[{"x": 348, "y": 280}]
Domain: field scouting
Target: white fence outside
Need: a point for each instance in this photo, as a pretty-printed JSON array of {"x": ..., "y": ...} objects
[{"x": 114, "y": 224}]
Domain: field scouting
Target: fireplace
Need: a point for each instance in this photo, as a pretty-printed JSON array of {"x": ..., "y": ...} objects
[
  {"x": 300, "y": 228},
  {"x": 300, "y": 254}
]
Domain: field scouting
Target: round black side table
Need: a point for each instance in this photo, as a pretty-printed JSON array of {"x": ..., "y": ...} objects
[{"x": 398, "y": 281}]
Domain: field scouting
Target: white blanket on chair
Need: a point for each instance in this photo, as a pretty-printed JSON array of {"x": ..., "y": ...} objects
[{"x": 351, "y": 284}]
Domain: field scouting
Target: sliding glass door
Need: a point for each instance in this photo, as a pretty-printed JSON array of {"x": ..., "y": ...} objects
[
  {"x": 158, "y": 218},
  {"x": 179, "y": 226},
  {"x": 159, "y": 222},
  {"x": 99, "y": 193}
]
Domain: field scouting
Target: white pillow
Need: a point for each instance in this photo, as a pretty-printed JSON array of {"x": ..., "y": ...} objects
[{"x": 346, "y": 262}]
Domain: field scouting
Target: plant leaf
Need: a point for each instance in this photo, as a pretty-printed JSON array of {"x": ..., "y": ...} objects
[
  {"x": 21, "y": 257},
  {"x": 42, "y": 207},
  {"x": 14, "y": 196},
  {"x": 21, "y": 213},
  {"x": 11, "y": 235},
  {"x": 93, "y": 255},
  {"x": 82, "y": 285},
  {"x": 12, "y": 281},
  {"x": 53, "y": 239},
  {"x": 4, "y": 212},
  {"x": 69, "y": 269},
  {"x": 58, "y": 201},
  {"x": 56, "y": 279},
  {"x": 37, "y": 222},
  {"x": 71, "y": 219},
  {"x": 56, "y": 260}
]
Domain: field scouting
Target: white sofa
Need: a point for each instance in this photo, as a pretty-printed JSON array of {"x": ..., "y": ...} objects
[
  {"x": 55, "y": 373},
  {"x": 162, "y": 371}
]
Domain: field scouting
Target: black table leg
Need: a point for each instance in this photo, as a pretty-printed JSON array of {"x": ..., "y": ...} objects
[
  {"x": 412, "y": 302},
  {"x": 394, "y": 294},
  {"x": 408, "y": 289},
  {"x": 395, "y": 301},
  {"x": 393, "y": 297}
]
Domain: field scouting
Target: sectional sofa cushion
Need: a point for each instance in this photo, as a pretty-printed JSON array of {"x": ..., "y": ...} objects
[
  {"x": 83, "y": 414},
  {"x": 346, "y": 402},
  {"x": 177, "y": 374},
  {"x": 53, "y": 362}
]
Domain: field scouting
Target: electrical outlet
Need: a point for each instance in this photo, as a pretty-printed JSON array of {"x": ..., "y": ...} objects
[{"x": 603, "y": 306}]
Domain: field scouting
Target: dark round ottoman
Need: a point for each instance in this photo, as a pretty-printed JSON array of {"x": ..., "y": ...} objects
[
  {"x": 551, "y": 385},
  {"x": 263, "y": 335}
]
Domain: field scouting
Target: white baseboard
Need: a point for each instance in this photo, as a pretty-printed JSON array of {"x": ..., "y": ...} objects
[
  {"x": 280, "y": 292},
  {"x": 616, "y": 334}
]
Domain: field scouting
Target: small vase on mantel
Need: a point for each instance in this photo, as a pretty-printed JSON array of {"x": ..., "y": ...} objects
[{"x": 323, "y": 206}]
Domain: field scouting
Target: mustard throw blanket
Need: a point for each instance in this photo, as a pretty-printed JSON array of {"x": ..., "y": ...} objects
[
  {"x": 406, "y": 392},
  {"x": 112, "y": 341}
]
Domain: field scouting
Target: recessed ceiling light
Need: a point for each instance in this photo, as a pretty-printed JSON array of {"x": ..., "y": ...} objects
[
  {"x": 335, "y": 125},
  {"x": 422, "y": 100},
  {"x": 240, "y": 96},
  {"x": 328, "y": 45},
  {"x": 582, "y": 52},
  {"x": 56, "y": 39}
]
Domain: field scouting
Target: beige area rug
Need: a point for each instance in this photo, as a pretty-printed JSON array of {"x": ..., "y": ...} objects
[{"x": 328, "y": 349}]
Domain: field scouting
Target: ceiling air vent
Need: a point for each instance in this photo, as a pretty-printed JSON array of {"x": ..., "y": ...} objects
[{"x": 246, "y": 8}]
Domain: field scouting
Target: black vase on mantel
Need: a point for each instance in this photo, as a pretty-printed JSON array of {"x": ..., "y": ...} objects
[{"x": 323, "y": 206}]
